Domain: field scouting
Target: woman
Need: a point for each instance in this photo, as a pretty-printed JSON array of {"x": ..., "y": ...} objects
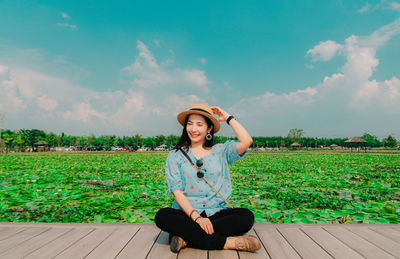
[{"x": 198, "y": 176}]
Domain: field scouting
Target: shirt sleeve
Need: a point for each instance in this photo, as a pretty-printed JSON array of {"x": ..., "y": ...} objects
[
  {"x": 173, "y": 173},
  {"x": 230, "y": 152}
]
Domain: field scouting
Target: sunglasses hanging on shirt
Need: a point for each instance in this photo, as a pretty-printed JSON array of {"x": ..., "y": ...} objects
[
  {"x": 200, "y": 173},
  {"x": 199, "y": 164}
]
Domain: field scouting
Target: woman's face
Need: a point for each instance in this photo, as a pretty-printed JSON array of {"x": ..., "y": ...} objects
[{"x": 197, "y": 128}]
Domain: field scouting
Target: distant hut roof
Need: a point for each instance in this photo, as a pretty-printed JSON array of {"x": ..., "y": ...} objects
[
  {"x": 295, "y": 144},
  {"x": 355, "y": 140},
  {"x": 41, "y": 143},
  {"x": 333, "y": 145},
  {"x": 163, "y": 145}
]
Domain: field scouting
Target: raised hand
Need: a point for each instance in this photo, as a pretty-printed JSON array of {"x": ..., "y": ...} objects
[{"x": 222, "y": 115}]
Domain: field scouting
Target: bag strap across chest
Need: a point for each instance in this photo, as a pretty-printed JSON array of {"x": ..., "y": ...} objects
[{"x": 198, "y": 169}]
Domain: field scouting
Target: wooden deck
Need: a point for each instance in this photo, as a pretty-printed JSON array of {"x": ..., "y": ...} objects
[{"x": 69, "y": 240}]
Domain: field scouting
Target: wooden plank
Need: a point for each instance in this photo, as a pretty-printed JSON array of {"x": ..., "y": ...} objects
[
  {"x": 275, "y": 244},
  {"x": 58, "y": 245},
  {"x": 123, "y": 225},
  {"x": 19, "y": 238},
  {"x": 350, "y": 241},
  {"x": 69, "y": 225},
  {"x": 395, "y": 226},
  {"x": 262, "y": 253},
  {"x": 141, "y": 243},
  {"x": 85, "y": 245},
  {"x": 357, "y": 243},
  {"x": 260, "y": 226},
  {"x": 192, "y": 253},
  {"x": 6, "y": 232},
  {"x": 114, "y": 243},
  {"x": 222, "y": 254},
  {"x": 161, "y": 248},
  {"x": 304, "y": 245},
  {"x": 387, "y": 232},
  {"x": 383, "y": 242},
  {"x": 34, "y": 243},
  {"x": 198, "y": 253},
  {"x": 330, "y": 243},
  {"x": 301, "y": 225}
]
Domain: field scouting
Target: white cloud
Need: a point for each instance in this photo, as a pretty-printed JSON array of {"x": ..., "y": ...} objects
[
  {"x": 85, "y": 113},
  {"x": 324, "y": 50},
  {"x": 133, "y": 105},
  {"x": 365, "y": 8},
  {"x": 67, "y": 25},
  {"x": 46, "y": 103},
  {"x": 155, "y": 95},
  {"x": 143, "y": 63},
  {"x": 227, "y": 86},
  {"x": 4, "y": 73},
  {"x": 380, "y": 36},
  {"x": 348, "y": 99},
  {"x": 309, "y": 66},
  {"x": 196, "y": 77},
  {"x": 10, "y": 96},
  {"x": 65, "y": 15},
  {"x": 157, "y": 43},
  {"x": 382, "y": 5},
  {"x": 148, "y": 74},
  {"x": 395, "y": 6},
  {"x": 203, "y": 60},
  {"x": 158, "y": 91}
]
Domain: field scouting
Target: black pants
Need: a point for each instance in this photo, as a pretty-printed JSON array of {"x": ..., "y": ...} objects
[{"x": 227, "y": 222}]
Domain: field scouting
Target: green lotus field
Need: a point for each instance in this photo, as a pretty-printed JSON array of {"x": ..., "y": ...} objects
[{"x": 291, "y": 187}]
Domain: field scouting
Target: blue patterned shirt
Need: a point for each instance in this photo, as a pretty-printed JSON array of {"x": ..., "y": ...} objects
[{"x": 182, "y": 176}]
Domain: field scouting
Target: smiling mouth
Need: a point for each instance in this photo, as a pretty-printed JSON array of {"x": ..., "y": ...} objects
[{"x": 194, "y": 135}]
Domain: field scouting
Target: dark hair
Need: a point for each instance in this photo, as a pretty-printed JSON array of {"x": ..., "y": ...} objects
[{"x": 185, "y": 141}]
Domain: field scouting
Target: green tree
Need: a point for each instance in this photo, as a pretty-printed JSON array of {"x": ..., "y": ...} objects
[
  {"x": 20, "y": 142},
  {"x": 138, "y": 139},
  {"x": 160, "y": 140},
  {"x": 390, "y": 141},
  {"x": 91, "y": 140},
  {"x": 52, "y": 139},
  {"x": 2, "y": 116},
  {"x": 104, "y": 141},
  {"x": 82, "y": 141},
  {"x": 372, "y": 141},
  {"x": 149, "y": 142},
  {"x": 32, "y": 136},
  {"x": 296, "y": 134},
  {"x": 116, "y": 141},
  {"x": 127, "y": 141},
  {"x": 171, "y": 140},
  {"x": 8, "y": 137}
]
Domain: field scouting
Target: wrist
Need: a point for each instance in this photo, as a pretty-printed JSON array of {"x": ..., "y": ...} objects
[
  {"x": 229, "y": 119},
  {"x": 193, "y": 213},
  {"x": 197, "y": 218}
]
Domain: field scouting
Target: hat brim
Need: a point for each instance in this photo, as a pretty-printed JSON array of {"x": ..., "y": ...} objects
[{"x": 182, "y": 116}]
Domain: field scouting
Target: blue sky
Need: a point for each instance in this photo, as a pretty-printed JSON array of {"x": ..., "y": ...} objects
[{"x": 81, "y": 67}]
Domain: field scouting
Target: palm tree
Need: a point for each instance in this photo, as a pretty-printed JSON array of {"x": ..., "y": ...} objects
[{"x": 138, "y": 139}]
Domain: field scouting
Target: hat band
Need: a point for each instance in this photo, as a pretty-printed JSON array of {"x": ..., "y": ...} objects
[{"x": 197, "y": 109}]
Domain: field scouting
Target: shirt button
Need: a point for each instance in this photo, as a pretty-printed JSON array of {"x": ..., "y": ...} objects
[{"x": 204, "y": 205}]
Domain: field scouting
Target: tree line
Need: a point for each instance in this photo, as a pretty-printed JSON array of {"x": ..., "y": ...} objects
[{"x": 19, "y": 139}]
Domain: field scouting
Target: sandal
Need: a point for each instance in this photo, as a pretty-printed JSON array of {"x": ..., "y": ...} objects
[
  {"x": 247, "y": 243},
  {"x": 177, "y": 243}
]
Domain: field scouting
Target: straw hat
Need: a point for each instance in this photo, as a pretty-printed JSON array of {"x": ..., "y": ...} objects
[{"x": 201, "y": 109}]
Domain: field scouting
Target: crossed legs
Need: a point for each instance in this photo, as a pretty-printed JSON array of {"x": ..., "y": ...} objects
[{"x": 226, "y": 223}]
